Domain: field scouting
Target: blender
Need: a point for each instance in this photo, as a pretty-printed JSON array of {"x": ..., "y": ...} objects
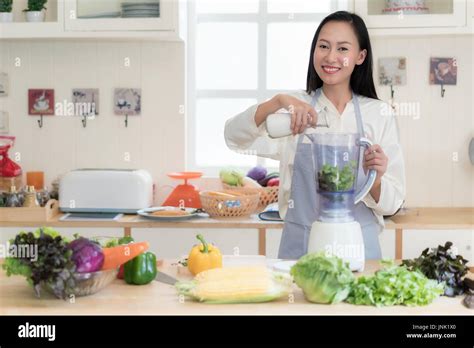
[{"x": 335, "y": 231}]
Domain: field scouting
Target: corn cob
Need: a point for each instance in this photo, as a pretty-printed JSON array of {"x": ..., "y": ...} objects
[{"x": 236, "y": 285}]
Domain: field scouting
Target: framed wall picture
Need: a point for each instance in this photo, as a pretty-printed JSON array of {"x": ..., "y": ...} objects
[
  {"x": 443, "y": 71},
  {"x": 4, "y": 85},
  {"x": 127, "y": 101},
  {"x": 41, "y": 102},
  {"x": 86, "y": 101},
  {"x": 393, "y": 71}
]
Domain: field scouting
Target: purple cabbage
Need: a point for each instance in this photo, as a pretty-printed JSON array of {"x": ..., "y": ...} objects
[{"x": 87, "y": 255}]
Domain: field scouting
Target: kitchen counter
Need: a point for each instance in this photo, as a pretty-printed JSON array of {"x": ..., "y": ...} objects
[
  {"x": 411, "y": 219},
  {"x": 17, "y": 298}
]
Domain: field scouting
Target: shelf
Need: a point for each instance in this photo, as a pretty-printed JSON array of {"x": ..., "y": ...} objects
[
  {"x": 61, "y": 23},
  {"x": 445, "y": 17}
]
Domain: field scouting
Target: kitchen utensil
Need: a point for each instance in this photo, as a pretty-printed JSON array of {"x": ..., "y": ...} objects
[
  {"x": 147, "y": 213},
  {"x": 165, "y": 278},
  {"x": 335, "y": 229},
  {"x": 279, "y": 125},
  {"x": 185, "y": 195},
  {"x": 105, "y": 191}
]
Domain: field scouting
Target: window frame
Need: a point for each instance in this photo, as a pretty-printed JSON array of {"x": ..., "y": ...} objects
[{"x": 262, "y": 18}]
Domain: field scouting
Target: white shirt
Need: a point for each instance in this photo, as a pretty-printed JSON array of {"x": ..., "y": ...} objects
[{"x": 242, "y": 134}]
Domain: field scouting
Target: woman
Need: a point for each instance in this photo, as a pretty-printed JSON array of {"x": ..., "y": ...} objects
[{"x": 340, "y": 80}]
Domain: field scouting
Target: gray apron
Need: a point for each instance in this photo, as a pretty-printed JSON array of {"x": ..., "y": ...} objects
[{"x": 303, "y": 203}]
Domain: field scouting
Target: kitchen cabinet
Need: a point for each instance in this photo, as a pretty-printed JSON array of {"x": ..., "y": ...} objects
[
  {"x": 442, "y": 17},
  {"x": 77, "y": 10},
  {"x": 82, "y": 19}
]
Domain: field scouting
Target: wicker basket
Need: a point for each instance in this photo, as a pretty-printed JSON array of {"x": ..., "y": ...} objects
[
  {"x": 267, "y": 194},
  {"x": 244, "y": 204}
]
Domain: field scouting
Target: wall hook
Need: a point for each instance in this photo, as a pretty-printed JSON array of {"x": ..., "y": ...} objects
[
  {"x": 442, "y": 91},
  {"x": 392, "y": 92},
  {"x": 126, "y": 120},
  {"x": 40, "y": 121},
  {"x": 84, "y": 121}
]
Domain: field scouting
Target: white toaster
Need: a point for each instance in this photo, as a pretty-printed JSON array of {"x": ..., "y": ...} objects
[{"x": 105, "y": 191}]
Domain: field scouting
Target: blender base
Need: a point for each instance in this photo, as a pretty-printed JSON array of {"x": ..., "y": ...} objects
[{"x": 343, "y": 239}]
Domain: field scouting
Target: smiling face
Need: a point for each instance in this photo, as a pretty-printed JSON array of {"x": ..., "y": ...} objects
[{"x": 337, "y": 52}]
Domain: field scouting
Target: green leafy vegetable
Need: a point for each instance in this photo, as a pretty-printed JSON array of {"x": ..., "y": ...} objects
[
  {"x": 333, "y": 179},
  {"x": 442, "y": 265},
  {"x": 323, "y": 279},
  {"x": 48, "y": 263},
  {"x": 394, "y": 285}
]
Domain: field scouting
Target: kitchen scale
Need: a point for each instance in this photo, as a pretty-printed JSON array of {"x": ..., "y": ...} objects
[
  {"x": 184, "y": 195},
  {"x": 335, "y": 230}
]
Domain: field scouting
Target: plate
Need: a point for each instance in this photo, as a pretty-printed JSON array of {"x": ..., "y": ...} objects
[
  {"x": 192, "y": 212},
  {"x": 140, "y": 11},
  {"x": 284, "y": 266},
  {"x": 101, "y": 15},
  {"x": 134, "y": 6},
  {"x": 140, "y": 16}
]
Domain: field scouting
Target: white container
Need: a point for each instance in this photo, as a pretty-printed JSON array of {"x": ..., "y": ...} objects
[
  {"x": 35, "y": 16},
  {"x": 279, "y": 125},
  {"x": 6, "y": 17}
]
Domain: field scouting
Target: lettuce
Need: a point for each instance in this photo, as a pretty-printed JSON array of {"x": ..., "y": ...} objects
[
  {"x": 394, "y": 285},
  {"x": 323, "y": 279}
]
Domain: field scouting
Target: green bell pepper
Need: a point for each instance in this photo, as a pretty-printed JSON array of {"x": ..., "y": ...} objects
[{"x": 141, "y": 270}]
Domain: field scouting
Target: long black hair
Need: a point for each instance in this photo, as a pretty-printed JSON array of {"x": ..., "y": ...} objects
[{"x": 362, "y": 81}]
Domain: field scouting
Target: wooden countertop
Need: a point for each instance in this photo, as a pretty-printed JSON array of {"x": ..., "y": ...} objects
[
  {"x": 17, "y": 298},
  {"x": 433, "y": 218},
  {"x": 136, "y": 221},
  {"x": 407, "y": 218}
]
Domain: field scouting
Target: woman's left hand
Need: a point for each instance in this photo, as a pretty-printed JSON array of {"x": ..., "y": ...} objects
[{"x": 375, "y": 158}]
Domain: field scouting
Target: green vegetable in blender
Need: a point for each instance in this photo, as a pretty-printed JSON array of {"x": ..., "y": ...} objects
[
  {"x": 333, "y": 179},
  {"x": 49, "y": 261},
  {"x": 394, "y": 285},
  {"x": 443, "y": 265},
  {"x": 323, "y": 279}
]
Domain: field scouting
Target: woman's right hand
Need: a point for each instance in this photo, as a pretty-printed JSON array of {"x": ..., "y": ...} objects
[{"x": 302, "y": 114}]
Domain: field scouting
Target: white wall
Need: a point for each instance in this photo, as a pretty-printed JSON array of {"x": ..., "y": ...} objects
[{"x": 156, "y": 140}]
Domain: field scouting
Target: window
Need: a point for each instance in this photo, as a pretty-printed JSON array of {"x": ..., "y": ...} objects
[{"x": 239, "y": 53}]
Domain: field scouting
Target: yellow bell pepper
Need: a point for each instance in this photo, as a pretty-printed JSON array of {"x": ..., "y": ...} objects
[{"x": 203, "y": 257}]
